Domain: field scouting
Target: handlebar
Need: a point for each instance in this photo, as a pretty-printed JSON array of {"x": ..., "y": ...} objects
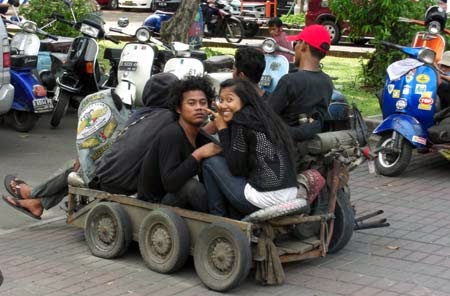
[
  {"x": 61, "y": 19},
  {"x": 391, "y": 45}
]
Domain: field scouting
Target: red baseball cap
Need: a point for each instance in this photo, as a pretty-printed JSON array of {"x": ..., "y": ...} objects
[{"x": 315, "y": 35}]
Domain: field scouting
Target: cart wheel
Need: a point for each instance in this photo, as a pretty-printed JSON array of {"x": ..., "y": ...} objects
[
  {"x": 343, "y": 223},
  {"x": 108, "y": 230},
  {"x": 222, "y": 256},
  {"x": 164, "y": 241}
]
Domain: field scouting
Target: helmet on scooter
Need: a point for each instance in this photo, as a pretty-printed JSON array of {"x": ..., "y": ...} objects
[
  {"x": 153, "y": 22},
  {"x": 435, "y": 19}
]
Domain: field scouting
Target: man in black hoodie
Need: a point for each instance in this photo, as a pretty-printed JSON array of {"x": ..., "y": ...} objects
[{"x": 118, "y": 168}]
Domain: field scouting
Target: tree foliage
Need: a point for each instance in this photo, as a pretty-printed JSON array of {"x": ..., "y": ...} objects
[
  {"x": 379, "y": 18},
  {"x": 39, "y": 12},
  {"x": 177, "y": 28}
]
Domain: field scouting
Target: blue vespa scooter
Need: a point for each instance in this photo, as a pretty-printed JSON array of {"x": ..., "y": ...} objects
[
  {"x": 30, "y": 97},
  {"x": 409, "y": 102}
]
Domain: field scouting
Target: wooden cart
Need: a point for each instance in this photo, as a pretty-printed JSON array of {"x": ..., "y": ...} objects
[{"x": 223, "y": 249}]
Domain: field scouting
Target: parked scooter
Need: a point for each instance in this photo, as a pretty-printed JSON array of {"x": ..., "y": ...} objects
[
  {"x": 82, "y": 75},
  {"x": 410, "y": 102},
  {"x": 219, "y": 22},
  {"x": 30, "y": 97}
]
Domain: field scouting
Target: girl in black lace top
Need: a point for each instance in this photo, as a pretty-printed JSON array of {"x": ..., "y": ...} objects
[{"x": 257, "y": 167}]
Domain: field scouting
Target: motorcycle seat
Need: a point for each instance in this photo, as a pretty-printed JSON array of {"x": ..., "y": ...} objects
[
  {"x": 112, "y": 54},
  {"x": 217, "y": 63},
  {"x": 23, "y": 61}
]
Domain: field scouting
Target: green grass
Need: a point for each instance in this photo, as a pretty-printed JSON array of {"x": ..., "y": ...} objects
[{"x": 347, "y": 72}]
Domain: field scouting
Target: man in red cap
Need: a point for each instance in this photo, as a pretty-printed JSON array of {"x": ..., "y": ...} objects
[{"x": 302, "y": 98}]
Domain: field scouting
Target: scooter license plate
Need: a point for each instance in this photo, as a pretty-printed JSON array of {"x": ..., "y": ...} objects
[
  {"x": 42, "y": 105},
  {"x": 266, "y": 80},
  {"x": 128, "y": 66}
]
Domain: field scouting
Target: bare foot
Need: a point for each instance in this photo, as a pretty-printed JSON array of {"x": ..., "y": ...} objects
[
  {"x": 34, "y": 206},
  {"x": 25, "y": 189}
]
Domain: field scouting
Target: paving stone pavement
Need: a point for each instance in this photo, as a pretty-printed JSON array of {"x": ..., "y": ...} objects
[{"x": 411, "y": 257}]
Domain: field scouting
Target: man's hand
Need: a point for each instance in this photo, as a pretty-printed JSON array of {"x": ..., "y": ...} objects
[{"x": 206, "y": 151}]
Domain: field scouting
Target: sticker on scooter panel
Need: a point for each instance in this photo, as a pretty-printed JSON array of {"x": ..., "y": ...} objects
[
  {"x": 92, "y": 119},
  {"x": 406, "y": 89},
  {"x": 390, "y": 88},
  {"x": 396, "y": 94},
  {"x": 42, "y": 105},
  {"x": 422, "y": 78},
  {"x": 420, "y": 89},
  {"x": 128, "y": 66},
  {"x": 266, "y": 80},
  {"x": 419, "y": 140}
]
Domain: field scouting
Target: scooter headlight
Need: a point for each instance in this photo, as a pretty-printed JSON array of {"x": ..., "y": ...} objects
[
  {"x": 143, "y": 34},
  {"x": 401, "y": 104},
  {"x": 426, "y": 55},
  {"x": 29, "y": 27},
  {"x": 269, "y": 45},
  {"x": 89, "y": 30}
]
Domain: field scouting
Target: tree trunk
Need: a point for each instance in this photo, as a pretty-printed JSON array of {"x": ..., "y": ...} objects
[{"x": 177, "y": 28}]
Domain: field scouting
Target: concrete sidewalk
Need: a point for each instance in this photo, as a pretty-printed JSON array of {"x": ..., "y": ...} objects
[{"x": 411, "y": 257}]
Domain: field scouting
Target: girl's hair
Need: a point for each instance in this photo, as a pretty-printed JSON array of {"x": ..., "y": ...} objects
[{"x": 276, "y": 129}]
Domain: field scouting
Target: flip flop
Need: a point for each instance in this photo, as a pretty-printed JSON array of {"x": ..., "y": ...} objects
[
  {"x": 7, "y": 183},
  {"x": 19, "y": 208}
]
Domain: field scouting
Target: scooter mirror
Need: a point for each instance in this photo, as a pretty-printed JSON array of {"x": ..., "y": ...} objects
[
  {"x": 69, "y": 3},
  {"x": 123, "y": 22},
  {"x": 15, "y": 3}
]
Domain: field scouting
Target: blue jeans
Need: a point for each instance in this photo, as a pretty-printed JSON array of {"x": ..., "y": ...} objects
[{"x": 223, "y": 188}]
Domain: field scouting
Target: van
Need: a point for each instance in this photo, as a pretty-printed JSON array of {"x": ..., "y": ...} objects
[{"x": 6, "y": 89}]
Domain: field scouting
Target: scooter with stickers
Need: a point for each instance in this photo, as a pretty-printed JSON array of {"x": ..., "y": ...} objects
[
  {"x": 30, "y": 97},
  {"x": 412, "y": 115}
]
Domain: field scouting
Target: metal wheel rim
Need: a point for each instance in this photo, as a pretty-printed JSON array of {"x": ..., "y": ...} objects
[
  {"x": 383, "y": 157},
  {"x": 331, "y": 30},
  {"x": 159, "y": 243},
  {"x": 104, "y": 232},
  {"x": 221, "y": 257}
]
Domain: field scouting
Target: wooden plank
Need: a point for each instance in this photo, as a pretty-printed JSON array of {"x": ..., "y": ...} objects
[
  {"x": 298, "y": 219},
  {"x": 297, "y": 246}
]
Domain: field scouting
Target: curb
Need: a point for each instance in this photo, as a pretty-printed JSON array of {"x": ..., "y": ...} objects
[{"x": 33, "y": 225}]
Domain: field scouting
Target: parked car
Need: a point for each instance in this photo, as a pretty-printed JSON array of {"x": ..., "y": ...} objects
[
  {"x": 135, "y": 4},
  {"x": 6, "y": 89},
  {"x": 258, "y": 8},
  {"x": 109, "y": 4}
]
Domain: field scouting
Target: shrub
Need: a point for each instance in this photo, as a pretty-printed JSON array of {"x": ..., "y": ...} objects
[{"x": 39, "y": 12}]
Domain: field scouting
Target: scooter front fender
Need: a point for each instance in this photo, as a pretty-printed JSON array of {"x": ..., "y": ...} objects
[
  {"x": 23, "y": 82},
  {"x": 405, "y": 125}
]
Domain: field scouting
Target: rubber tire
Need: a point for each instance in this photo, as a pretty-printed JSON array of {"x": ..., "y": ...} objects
[
  {"x": 115, "y": 213},
  {"x": 234, "y": 238},
  {"x": 250, "y": 29},
  {"x": 113, "y": 4},
  {"x": 60, "y": 108},
  {"x": 401, "y": 162},
  {"x": 22, "y": 121},
  {"x": 344, "y": 222},
  {"x": 334, "y": 31},
  {"x": 238, "y": 24},
  {"x": 176, "y": 228}
]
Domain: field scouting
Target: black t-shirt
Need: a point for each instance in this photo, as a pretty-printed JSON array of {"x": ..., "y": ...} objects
[
  {"x": 169, "y": 164},
  {"x": 302, "y": 92}
]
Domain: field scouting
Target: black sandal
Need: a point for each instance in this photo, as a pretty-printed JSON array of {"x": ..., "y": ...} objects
[{"x": 7, "y": 183}]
